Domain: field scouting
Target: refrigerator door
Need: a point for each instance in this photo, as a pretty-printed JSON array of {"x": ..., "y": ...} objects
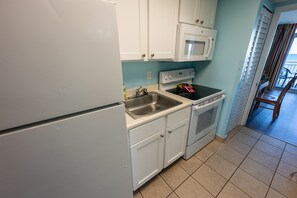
[
  {"x": 82, "y": 156},
  {"x": 57, "y": 57}
]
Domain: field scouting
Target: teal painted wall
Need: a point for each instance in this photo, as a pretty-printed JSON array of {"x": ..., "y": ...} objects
[
  {"x": 235, "y": 20},
  {"x": 134, "y": 73}
]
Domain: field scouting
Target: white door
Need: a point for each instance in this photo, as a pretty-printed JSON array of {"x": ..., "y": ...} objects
[
  {"x": 147, "y": 159},
  {"x": 239, "y": 112},
  {"x": 132, "y": 23},
  {"x": 57, "y": 58},
  {"x": 163, "y": 20},
  {"x": 175, "y": 143},
  {"x": 82, "y": 156}
]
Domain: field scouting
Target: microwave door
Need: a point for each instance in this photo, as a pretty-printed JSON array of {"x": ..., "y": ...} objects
[{"x": 195, "y": 47}]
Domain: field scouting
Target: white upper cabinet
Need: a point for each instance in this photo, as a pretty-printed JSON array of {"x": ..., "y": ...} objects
[
  {"x": 163, "y": 20},
  {"x": 132, "y": 25},
  {"x": 198, "y": 12},
  {"x": 147, "y": 28}
]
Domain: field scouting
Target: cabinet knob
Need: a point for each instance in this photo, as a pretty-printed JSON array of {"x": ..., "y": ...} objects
[
  {"x": 197, "y": 20},
  {"x": 161, "y": 136},
  {"x": 143, "y": 55},
  {"x": 169, "y": 131},
  {"x": 152, "y": 55},
  {"x": 202, "y": 22}
]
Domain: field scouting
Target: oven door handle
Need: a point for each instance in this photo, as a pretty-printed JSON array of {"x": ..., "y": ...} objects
[{"x": 196, "y": 107}]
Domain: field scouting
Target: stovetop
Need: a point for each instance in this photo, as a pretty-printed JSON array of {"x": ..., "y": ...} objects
[{"x": 200, "y": 92}]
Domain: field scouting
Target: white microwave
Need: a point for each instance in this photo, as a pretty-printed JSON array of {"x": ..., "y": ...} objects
[{"x": 194, "y": 43}]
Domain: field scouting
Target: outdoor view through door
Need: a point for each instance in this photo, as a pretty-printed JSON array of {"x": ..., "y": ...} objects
[{"x": 289, "y": 68}]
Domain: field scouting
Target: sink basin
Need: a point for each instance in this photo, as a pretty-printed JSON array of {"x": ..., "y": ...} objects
[{"x": 149, "y": 104}]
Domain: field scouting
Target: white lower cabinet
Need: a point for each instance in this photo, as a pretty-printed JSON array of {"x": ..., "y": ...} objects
[
  {"x": 147, "y": 159},
  {"x": 157, "y": 144},
  {"x": 175, "y": 144}
]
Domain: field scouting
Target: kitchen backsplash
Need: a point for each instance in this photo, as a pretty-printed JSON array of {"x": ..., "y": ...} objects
[{"x": 147, "y": 73}]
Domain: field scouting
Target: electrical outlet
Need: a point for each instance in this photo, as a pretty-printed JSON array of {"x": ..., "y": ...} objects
[{"x": 149, "y": 75}]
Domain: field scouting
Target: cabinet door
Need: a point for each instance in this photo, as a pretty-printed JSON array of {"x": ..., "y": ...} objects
[
  {"x": 147, "y": 159},
  {"x": 175, "y": 145},
  {"x": 198, "y": 12},
  {"x": 188, "y": 11},
  {"x": 132, "y": 25},
  {"x": 163, "y": 20},
  {"x": 207, "y": 13}
]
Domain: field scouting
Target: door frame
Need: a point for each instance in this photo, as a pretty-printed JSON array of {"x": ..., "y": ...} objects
[{"x": 268, "y": 42}]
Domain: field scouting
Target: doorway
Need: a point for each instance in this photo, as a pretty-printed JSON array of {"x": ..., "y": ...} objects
[{"x": 283, "y": 127}]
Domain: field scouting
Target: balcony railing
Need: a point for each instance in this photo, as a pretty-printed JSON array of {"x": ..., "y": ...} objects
[{"x": 287, "y": 73}]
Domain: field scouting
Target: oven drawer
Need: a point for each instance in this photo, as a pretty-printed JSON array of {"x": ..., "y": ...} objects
[{"x": 178, "y": 116}]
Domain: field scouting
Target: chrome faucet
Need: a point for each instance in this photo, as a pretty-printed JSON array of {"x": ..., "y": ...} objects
[{"x": 141, "y": 90}]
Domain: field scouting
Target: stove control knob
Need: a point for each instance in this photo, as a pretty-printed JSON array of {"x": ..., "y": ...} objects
[
  {"x": 169, "y": 77},
  {"x": 166, "y": 77}
]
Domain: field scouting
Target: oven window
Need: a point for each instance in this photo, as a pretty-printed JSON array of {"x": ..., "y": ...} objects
[
  {"x": 194, "y": 48},
  {"x": 206, "y": 119}
]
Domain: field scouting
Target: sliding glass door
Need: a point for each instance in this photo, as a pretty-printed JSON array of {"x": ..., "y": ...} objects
[{"x": 289, "y": 69}]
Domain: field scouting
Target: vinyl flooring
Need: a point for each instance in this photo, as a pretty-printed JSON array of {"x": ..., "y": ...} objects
[{"x": 284, "y": 127}]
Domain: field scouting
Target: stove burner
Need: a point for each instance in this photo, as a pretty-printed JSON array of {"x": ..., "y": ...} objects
[{"x": 200, "y": 92}]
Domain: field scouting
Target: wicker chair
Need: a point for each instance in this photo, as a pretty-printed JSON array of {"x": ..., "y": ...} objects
[{"x": 268, "y": 96}]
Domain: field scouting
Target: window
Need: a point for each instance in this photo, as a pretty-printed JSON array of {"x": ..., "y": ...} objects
[{"x": 289, "y": 69}]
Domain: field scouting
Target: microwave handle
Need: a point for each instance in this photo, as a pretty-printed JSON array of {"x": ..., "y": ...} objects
[{"x": 209, "y": 47}]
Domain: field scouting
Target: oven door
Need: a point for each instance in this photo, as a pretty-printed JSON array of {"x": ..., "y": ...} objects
[{"x": 204, "y": 119}]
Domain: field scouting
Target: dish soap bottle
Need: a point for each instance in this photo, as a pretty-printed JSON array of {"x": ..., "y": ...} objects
[{"x": 125, "y": 93}]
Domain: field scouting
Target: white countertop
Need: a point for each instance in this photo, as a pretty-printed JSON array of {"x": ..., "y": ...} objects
[{"x": 132, "y": 123}]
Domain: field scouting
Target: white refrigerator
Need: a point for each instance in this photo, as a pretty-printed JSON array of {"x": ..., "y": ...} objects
[{"x": 62, "y": 121}]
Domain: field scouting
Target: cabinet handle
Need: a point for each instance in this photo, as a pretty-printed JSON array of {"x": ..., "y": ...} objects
[
  {"x": 161, "y": 136},
  {"x": 202, "y": 22},
  {"x": 143, "y": 55},
  {"x": 169, "y": 131},
  {"x": 152, "y": 55},
  {"x": 197, "y": 20}
]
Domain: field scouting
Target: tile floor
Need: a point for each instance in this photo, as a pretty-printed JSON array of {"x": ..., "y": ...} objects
[{"x": 249, "y": 164}]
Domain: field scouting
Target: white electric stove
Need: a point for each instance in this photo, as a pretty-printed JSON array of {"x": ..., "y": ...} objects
[{"x": 206, "y": 107}]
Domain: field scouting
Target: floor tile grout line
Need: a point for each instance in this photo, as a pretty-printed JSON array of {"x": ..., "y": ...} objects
[
  {"x": 237, "y": 167},
  {"x": 229, "y": 180},
  {"x": 189, "y": 175},
  {"x": 268, "y": 153},
  {"x": 271, "y": 143},
  {"x": 193, "y": 173},
  {"x": 179, "y": 184},
  {"x": 261, "y": 163},
  {"x": 246, "y": 143},
  {"x": 275, "y": 174}
]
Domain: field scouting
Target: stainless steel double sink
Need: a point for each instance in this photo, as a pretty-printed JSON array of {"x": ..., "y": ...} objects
[{"x": 149, "y": 104}]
